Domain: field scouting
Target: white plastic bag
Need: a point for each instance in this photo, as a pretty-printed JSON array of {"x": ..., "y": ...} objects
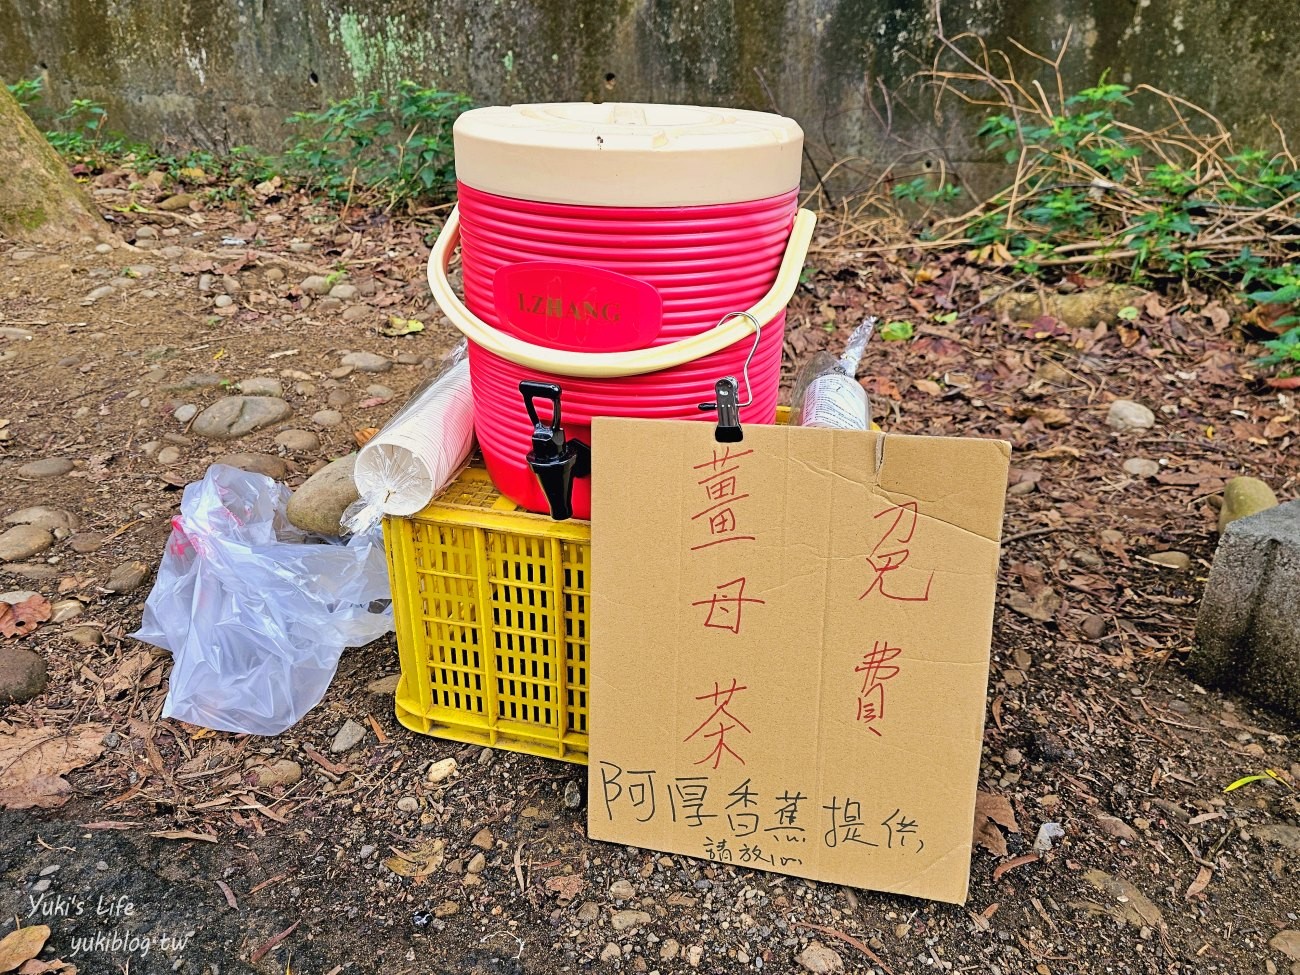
[{"x": 254, "y": 613}]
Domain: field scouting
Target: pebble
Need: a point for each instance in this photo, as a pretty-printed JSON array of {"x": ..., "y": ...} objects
[
  {"x": 342, "y": 372},
  {"x": 693, "y": 955},
  {"x": 384, "y": 686},
  {"x": 1178, "y": 561},
  {"x": 344, "y": 292},
  {"x": 265, "y": 464},
  {"x": 261, "y": 386},
  {"x": 355, "y": 313},
  {"x": 338, "y": 398},
  {"x": 349, "y": 736},
  {"x": 138, "y": 270},
  {"x": 22, "y": 675},
  {"x": 185, "y": 412},
  {"x": 441, "y": 770},
  {"x": 820, "y": 960},
  {"x": 380, "y": 391},
  {"x": 103, "y": 291},
  {"x": 408, "y": 804},
  {"x": 302, "y": 441},
  {"x": 86, "y": 636},
  {"x": 127, "y": 576},
  {"x": 623, "y": 920},
  {"x": 367, "y": 851},
  {"x": 41, "y": 886},
  {"x": 305, "y": 389},
  {"x": 206, "y": 282},
  {"x": 409, "y": 359},
  {"x": 223, "y": 301},
  {"x": 47, "y": 467},
  {"x": 314, "y": 284},
  {"x": 37, "y": 571},
  {"x": 327, "y": 418},
  {"x": 1012, "y": 756},
  {"x": 1125, "y": 415},
  {"x": 1093, "y": 626},
  {"x": 329, "y": 304},
  {"x": 1141, "y": 467},
  {"x": 273, "y": 274},
  {"x": 49, "y": 871},
  {"x": 84, "y": 543},
  {"x": 284, "y": 772},
  {"x": 300, "y": 247},
  {"x": 196, "y": 380},
  {"x": 367, "y": 362},
  {"x": 483, "y": 839},
  {"x": 64, "y": 610},
  {"x": 572, "y": 795},
  {"x": 51, "y": 519},
  {"x": 24, "y": 541},
  {"x": 446, "y": 909},
  {"x": 622, "y": 890},
  {"x": 178, "y": 201},
  {"x": 15, "y": 596},
  {"x": 237, "y": 416},
  {"x": 172, "y": 253},
  {"x": 477, "y": 864},
  {"x": 588, "y": 912},
  {"x": 611, "y": 953},
  {"x": 669, "y": 950},
  {"x": 169, "y": 455},
  {"x": 101, "y": 866},
  {"x": 103, "y": 248}
]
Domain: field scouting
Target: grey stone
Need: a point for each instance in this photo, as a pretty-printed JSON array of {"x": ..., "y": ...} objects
[
  {"x": 300, "y": 247},
  {"x": 51, "y": 519},
  {"x": 261, "y": 386},
  {"x": 272, "y": 467},
  {"x": 22, "y": 675},
  {"x": 299, "y": 441},
  {"x": 625, "y": 920},
  {"x": 572, "y": 795},
  {"x": 65, "y": 609},
  {"x": 236, "y": 416},
  {"x": 348, "y": 737},
  {"x": 37, "y": 571},
  {"x": 408, "y": 804},
  {"x": 329, "y": 304},
  {"x": 622, "y": 890},
  {"x": 319, "y": 504},
  {"x": 169, "y": 455},
  {"x": 127, "y": 576},
  {"x": 344, "y": 292},
  {"x": 327, "y": 418},
  {"x": 1141, "y": 467},
  {"x": 379, "y": 391},
  {"x": 338, "y": 398},
  {"x": 1248, "y": 629},
  {"x": 86, "y": 636},
  {"x": 103, "y": 291},
  {"x": 24, "y": 541},
  {"x": 16, "y": 596},
  {"x": 355, "y": 313},
  {"x": 196, "y": 380},
  {"x": 47, "y": 467},
  {"x": 283, "y": 772},
  {"x": 1243, "y": 497},
  {"x": 315, "y": 284},
  {"x": 367, "y": 362},
  {"x": 223, "y": 301},
  {"x": 84, "y": 543},
  {"x": 185, "y": 412},
  {"x": 820, "y": 960},
  {"x": 1124, "y": 415}
]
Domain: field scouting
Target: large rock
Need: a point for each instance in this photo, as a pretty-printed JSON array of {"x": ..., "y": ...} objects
[
  {"x": 1125, "y": 415},
  {"x": 236, "y": 416},
  {"x": 24, "y": 541},
  {"x": 1248, "y": 631},
  {"x": 319, "y": 504}
]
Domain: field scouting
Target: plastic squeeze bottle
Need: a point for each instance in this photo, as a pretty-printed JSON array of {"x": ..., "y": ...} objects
[{"x": 827, "y": 392}]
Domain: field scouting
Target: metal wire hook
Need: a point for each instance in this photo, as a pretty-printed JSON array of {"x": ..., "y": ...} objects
[{"x": 758, "y": 332}]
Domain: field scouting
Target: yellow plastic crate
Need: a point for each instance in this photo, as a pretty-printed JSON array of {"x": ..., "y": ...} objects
[{"x": 491, "y": 607}]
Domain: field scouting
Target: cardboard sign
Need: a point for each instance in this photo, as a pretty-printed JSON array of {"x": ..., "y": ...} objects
[{"x": 790, "y": 646}]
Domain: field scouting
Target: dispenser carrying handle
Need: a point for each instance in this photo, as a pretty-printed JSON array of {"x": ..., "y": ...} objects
[{"x": 604, "y": 365}]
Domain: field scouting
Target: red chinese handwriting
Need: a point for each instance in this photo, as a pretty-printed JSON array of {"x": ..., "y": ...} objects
[
  {"x": 891, "y": 554},
  {"x": 722, "y": 490},
  {"x": 724, "y": 606},
  {"x": 726, "y": 721},
  {"x": 875, "y": 670}
]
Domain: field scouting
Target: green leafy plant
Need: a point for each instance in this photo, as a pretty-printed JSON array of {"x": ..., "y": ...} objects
[
  {"x": 899, "y": 331},
  {"x": 26, "y": 92},
  {"x": 399, "y": 145}
]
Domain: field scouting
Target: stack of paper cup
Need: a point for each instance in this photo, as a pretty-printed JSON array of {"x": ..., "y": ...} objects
[{"x": 420, "y": 450}]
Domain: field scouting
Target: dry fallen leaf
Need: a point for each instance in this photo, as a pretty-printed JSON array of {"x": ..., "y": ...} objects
[
  {"x": 33, "y": 762},
  {"x": 19, "y": 619},
  {"x": 566, "y": 889},
  {"x": 1042, "y": 607},
  {"x": 22, "y": 945},
  {"x": 992, "y": 811},
  {"x": 1200, "y": 883},
  {"x": 183, "y": 834},
  {"x": 364, "y": 435},
  {"x": 418, "y": 862},
  {"x": 1287, "y": 942}
]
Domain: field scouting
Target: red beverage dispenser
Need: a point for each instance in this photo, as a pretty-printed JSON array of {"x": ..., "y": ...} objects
[{"x": 617, "y": 260}]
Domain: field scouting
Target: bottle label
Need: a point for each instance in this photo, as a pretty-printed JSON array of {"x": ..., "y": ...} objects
[{"x": 835, "y": 401}]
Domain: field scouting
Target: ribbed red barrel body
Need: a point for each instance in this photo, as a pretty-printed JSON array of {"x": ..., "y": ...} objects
[
  {"x": 705, "y": 262},
  {"x": 695, "y": 204}
]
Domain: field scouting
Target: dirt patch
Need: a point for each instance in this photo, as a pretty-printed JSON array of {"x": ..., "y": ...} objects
[{"x": 1092, "y": 724}]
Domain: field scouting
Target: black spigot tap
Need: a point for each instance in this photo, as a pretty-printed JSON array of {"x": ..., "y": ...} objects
[{"x": 555, "y": 460}]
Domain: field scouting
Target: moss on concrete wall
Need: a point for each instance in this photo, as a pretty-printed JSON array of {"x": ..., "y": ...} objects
[{"x": 218, "y": 73}]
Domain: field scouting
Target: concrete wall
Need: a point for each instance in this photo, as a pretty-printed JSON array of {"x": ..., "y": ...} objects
[{"x": 217, "y": 73}]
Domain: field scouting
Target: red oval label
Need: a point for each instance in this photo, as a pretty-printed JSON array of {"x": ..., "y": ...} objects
[{"x": 576, "y": 306}]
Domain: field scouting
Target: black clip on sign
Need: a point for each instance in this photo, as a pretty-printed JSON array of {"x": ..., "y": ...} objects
[{"x": 727, "y": 402}]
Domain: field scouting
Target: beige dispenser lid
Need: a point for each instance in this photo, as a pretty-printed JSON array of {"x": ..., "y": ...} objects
[{"x": 621, "y": 154}]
